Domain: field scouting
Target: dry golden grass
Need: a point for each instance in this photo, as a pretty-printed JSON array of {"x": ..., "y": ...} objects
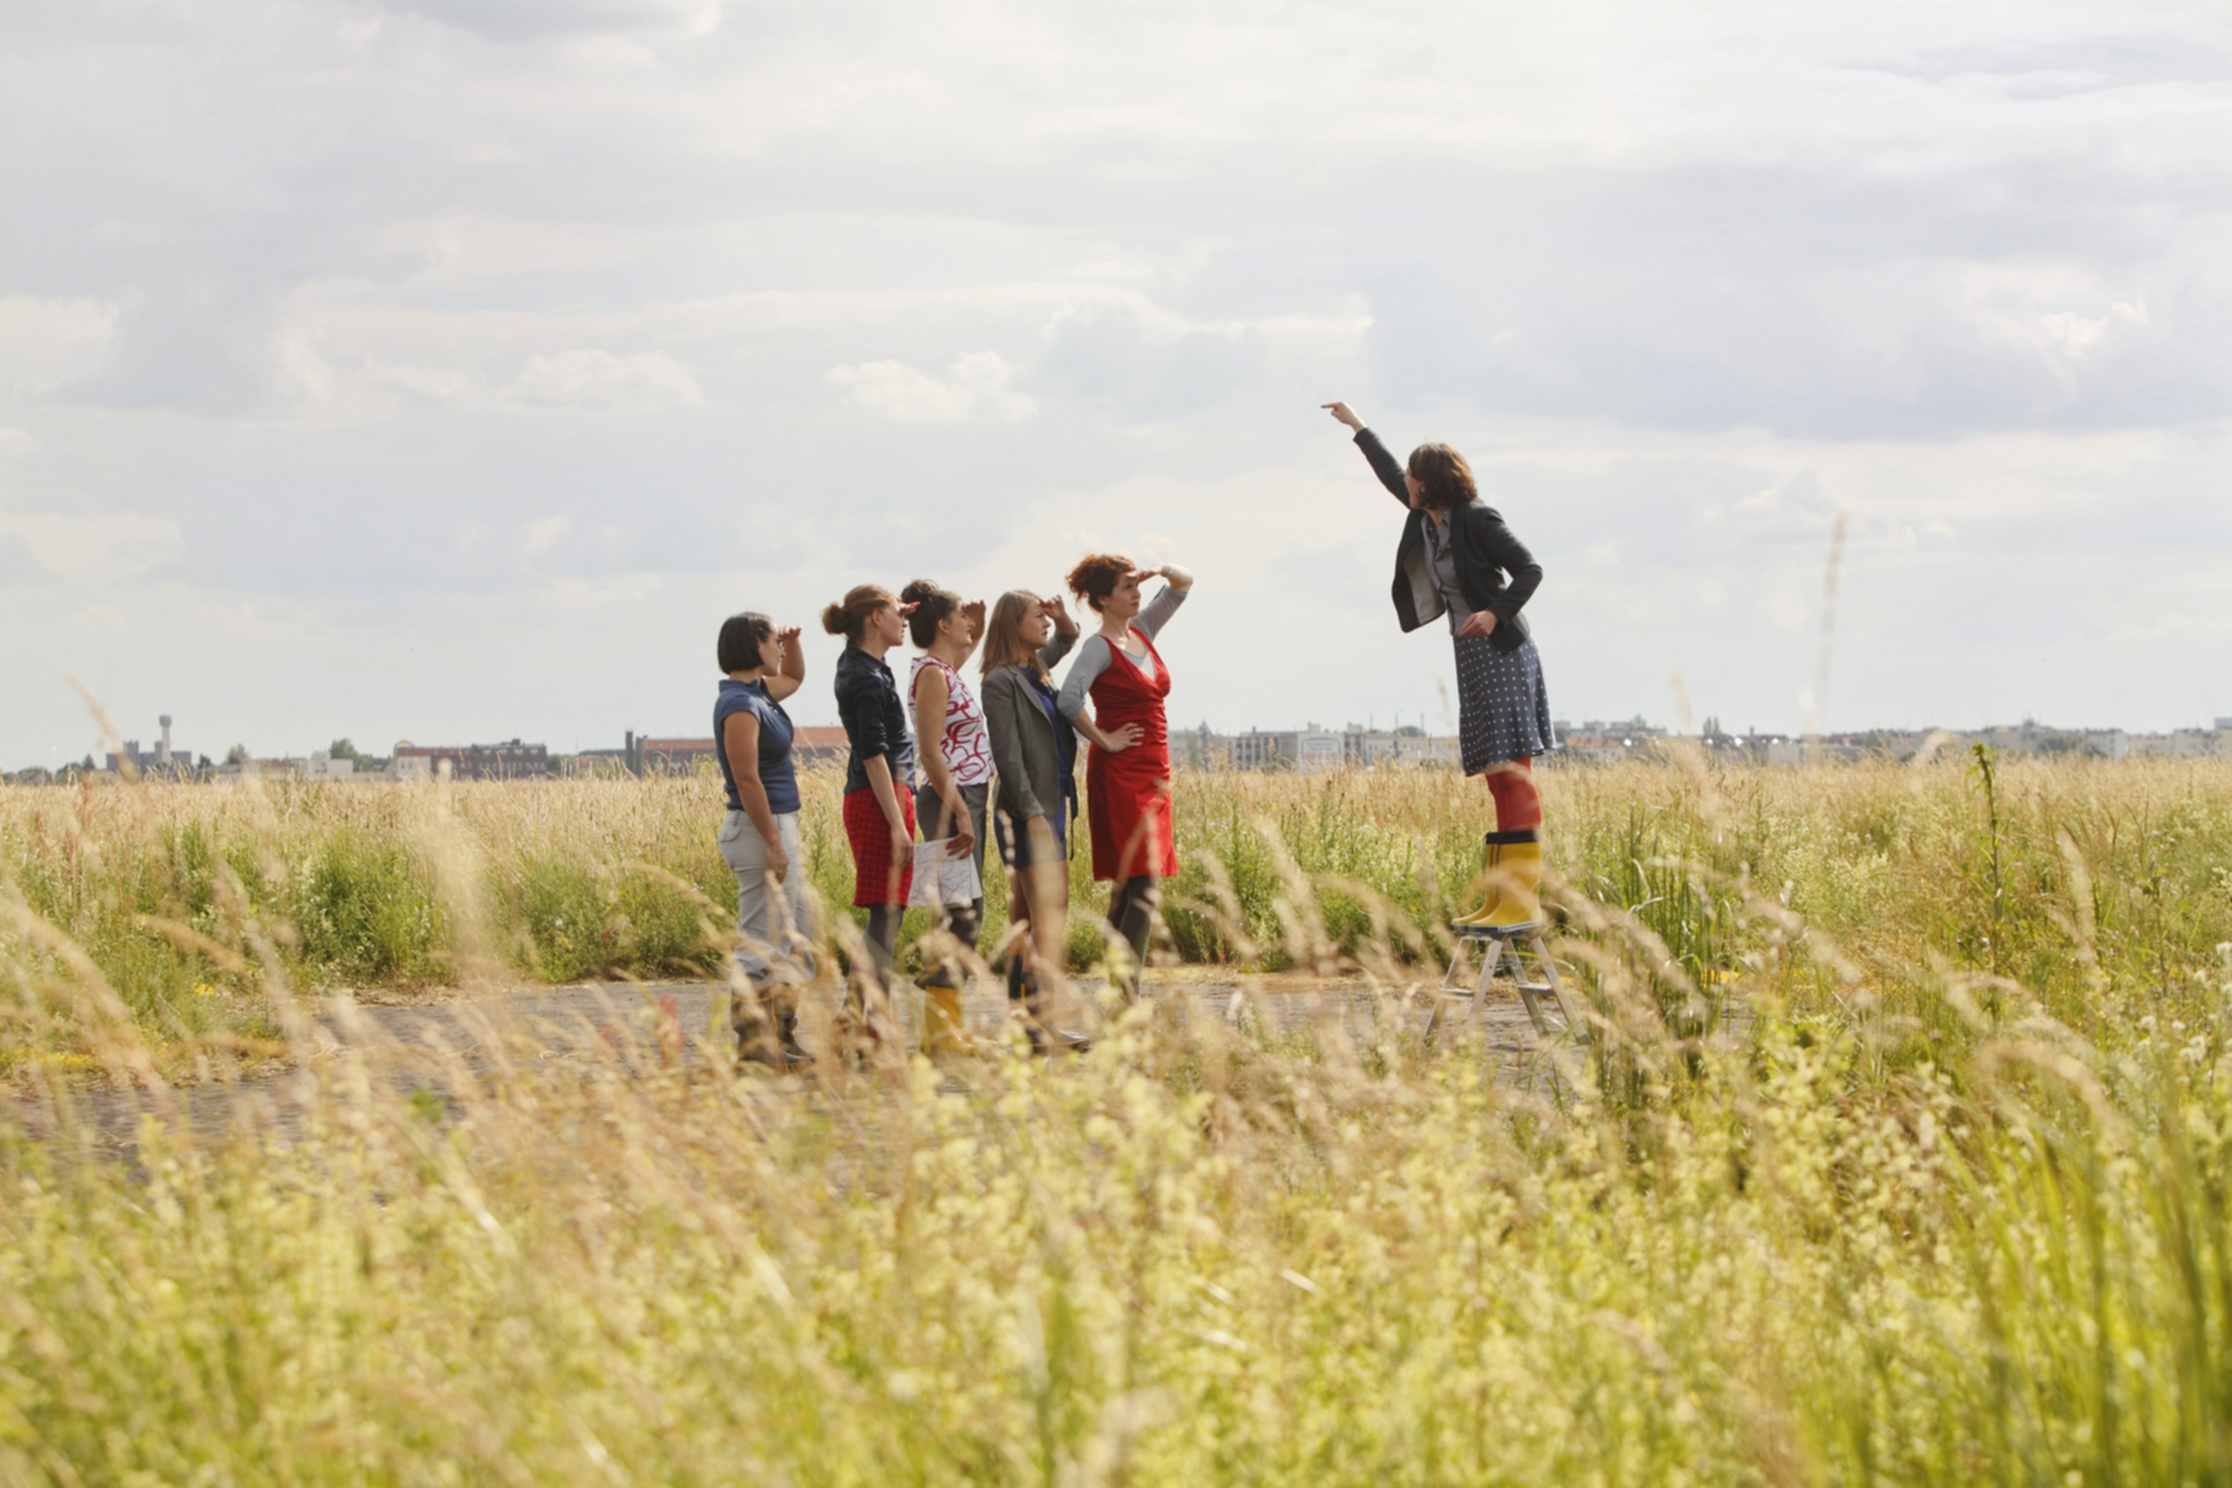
[{"x": 1948, "y": 1203}]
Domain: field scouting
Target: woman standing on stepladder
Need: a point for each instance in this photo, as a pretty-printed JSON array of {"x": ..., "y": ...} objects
[
  {"x": 1458, "y": 557},
  {"x": 1127, "y": 794}
]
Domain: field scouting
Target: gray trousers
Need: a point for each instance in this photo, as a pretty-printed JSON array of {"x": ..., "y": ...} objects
[{"x": 775, "y": 919}]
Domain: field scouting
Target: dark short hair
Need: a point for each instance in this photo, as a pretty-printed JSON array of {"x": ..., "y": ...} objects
[
  {"x": 1096, "y": 577},
  {"x": 1444, "y": 479},
  {"x": 741, "y": 636},
  {"x": 932, "y": 605}
]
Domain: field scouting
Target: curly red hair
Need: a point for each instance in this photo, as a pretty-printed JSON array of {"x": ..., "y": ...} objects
[{"x": 1096, "y": 577}]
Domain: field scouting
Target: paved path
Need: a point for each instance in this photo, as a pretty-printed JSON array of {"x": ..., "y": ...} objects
[{"x": 675, "y": 1020}]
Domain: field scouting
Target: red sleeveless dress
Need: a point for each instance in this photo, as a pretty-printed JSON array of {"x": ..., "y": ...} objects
[{"x": 1127, "y": 794}]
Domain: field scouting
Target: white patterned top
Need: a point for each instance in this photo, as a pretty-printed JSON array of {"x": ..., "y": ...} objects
[{"x": 962, "y": 744}]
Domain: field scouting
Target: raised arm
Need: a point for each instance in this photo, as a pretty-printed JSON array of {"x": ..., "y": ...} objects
[
  {"x": 1384, "y": 465},
  {"x": 793, "y": 671},
  {"x": 1065, "y": 633},
  {"x": 1157, "y": 612}
]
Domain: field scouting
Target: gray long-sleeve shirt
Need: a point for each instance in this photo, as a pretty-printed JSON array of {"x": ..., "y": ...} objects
[{"x": 1094, "y": 657}]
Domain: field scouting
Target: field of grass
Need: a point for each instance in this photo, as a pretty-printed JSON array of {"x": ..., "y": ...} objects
[{"x": 1950, "y": 1202}]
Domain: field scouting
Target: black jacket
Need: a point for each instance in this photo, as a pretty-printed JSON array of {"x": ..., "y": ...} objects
[
  {"x": 875, "y": 721},
  {"x": 1494, "y": 568}
]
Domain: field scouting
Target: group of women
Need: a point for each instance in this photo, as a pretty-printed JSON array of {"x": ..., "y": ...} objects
[
  {"x": 1007, "y": 763},
  {"x": 998, "y": 768}
]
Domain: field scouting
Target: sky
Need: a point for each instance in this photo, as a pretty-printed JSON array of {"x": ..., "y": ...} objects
[{"x": 446, "y": 370}]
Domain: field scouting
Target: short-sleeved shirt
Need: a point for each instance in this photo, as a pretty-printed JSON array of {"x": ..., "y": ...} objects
[
  {"x": 775, "y": 771},
  {"x": 875, "y": 720}
]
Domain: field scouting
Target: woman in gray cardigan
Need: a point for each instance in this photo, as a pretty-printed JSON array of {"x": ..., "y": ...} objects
[{"x": 1034, "y": 752}]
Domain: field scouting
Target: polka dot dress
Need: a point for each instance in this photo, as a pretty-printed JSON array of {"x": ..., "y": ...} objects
[{"x": 1503, "y": 708}]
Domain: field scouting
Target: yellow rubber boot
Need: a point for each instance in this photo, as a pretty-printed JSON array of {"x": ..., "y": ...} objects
[
  {"x": 941, "y": 1021},
  {"x": 1518, "y": 875},
  {"x": 1487, "y": 866}
]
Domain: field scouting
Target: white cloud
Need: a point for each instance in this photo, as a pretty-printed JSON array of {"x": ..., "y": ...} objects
[
  {"x": 542, "y": 534},
  {"x": 110, "y": 546},
  {"x": 528, "y": 20},
  {"x": 975, "y": 386},
  {"x": 597, "y": 379},
  {"x": 45, "y": 343},
  {"x": 463, "y": 249},
  {"x": 99, "y": 617},
  {"x": 438, "y": 383},
  {"x": 374, "y": 305}
]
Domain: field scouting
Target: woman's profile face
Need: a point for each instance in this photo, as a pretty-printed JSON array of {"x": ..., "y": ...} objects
[
  {"x": 771, "y": 652},
  {"x": 1123, "y": 600},
  {"x": 887, "y": 624},
  {"x": 1035, "y": 627}
]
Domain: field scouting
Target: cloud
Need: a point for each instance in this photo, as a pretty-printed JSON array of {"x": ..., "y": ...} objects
[
  {"x": 975, "y": 386},
  {"x": 592, "y": 379},
  {"x": 322, "y": 286},
  {"x": 99, "y": 617},
  {"x": 110, "y": 546},
  {"x": 19, "y": 566},
  {"x": 541, "y": 535},
  {"x": 533, "y": 20},
  {"x": 461, "y": 250},
  {"x": 45, "y": 343}
]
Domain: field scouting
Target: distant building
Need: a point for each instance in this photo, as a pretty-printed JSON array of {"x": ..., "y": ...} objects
[
  {"x": 508, "y": 761},
  {"x": 162, "y": 760},
  {"x": 671, "y": 756},
  {"x": 1597, "y": 742},
  {"x": 819, "y": 745},
  {"x": 1315, "y": 749}
]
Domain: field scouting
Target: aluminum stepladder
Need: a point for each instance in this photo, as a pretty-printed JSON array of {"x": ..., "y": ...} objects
[{"x": 1507, "y": 948}]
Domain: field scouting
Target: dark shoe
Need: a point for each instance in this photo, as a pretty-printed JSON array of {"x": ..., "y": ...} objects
[{"x": 786, "y": 1030}]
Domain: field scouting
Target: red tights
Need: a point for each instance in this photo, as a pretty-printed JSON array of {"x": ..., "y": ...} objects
[{"x": 1518, "y": 803}]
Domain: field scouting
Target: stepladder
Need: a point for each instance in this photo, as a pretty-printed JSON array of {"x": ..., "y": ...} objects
[{"x": 1517, "y": 951}]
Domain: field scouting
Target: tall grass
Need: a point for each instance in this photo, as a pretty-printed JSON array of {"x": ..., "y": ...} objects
[
  {"x": 1947, "y": 1203},
  {"x": 1911, "y": 871}
]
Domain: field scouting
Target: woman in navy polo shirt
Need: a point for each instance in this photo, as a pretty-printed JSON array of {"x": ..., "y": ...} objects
[{"x": 759, "y": 836}]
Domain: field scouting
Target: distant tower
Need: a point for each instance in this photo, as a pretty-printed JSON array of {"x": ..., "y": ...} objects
[{"x": 163, "y": 750}]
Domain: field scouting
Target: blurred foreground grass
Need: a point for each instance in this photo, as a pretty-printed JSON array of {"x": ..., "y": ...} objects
[{"x": 1949, "y": 1204}]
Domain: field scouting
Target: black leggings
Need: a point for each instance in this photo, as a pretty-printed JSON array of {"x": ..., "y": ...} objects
[
  {"x": 1131, "y": 914},
  {"x": 881, "y": 939}
]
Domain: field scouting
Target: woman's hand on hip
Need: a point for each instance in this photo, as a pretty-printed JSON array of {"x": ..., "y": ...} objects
[
  {"x": 1120, "y": 739},
  {"x": 1345, "y": 414},
  {"x": 1478, "y": 623}
]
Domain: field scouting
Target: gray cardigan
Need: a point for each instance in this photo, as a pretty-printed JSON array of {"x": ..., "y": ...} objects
[{"x": 1023, "y": 744}]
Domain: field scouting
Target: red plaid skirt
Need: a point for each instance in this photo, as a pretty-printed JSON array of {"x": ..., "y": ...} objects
[{"x": 870, "y": 836}]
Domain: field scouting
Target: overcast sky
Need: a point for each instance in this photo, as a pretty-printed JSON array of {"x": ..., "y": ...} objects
[{"x": 447, "y": 370}]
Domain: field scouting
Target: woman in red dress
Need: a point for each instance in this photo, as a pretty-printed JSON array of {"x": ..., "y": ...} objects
[{"x": 1127, "y": 794}]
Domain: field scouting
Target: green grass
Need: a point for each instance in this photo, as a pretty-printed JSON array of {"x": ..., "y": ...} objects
[{"x": 1948, "y": 1202}]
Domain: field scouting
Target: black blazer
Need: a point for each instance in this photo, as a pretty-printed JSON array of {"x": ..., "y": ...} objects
[{"x": 1494, "y": 568}]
